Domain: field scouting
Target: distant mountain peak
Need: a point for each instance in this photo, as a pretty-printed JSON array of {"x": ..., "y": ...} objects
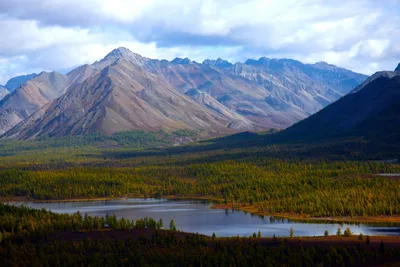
[
  {"x": 179, "y": 60},
  {"x": 126, "y": 54},
  {"x": 16, "y": 82},
  {"x": 398, "y": 68},
  {"x": 218, "y": 63},
  {"x": 121, "y": 52},
  {"x": 251, "y": 61},
  {"x": 323, "y": 63},
  {"x": 263, "y": 60}
]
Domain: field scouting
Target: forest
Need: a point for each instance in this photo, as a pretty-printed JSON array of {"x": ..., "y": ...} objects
[
  {"x": 267, "y": 179},
  {"x": 41, "y": 238}
]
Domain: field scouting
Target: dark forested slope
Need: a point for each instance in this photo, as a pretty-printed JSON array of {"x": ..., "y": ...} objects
[{"x": 372, "y": 113}]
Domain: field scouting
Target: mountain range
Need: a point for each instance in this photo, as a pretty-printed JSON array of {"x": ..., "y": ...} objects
[{"x": 125, "y": 91}]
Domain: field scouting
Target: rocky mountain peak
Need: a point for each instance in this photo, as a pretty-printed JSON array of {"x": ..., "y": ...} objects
[
  {"x": 126, "y": 54},
  {"x": 251, "y": 61},
  {"x": 263, "y": 60},
  {"x": 324, "y": 66},
  {"x": 183, "y": 61},
  {"x": 222, "y": 63},
  {"x": 16, "y": 82},
  {"x": 398, "y": 68}
]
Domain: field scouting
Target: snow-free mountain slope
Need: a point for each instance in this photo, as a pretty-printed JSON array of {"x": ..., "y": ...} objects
[{"x": 28, "y": 98}]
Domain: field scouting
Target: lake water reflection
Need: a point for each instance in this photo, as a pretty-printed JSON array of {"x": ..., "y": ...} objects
[{"x": 197, "y": 216}]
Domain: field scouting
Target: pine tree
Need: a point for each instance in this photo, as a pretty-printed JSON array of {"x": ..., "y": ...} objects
[
  {"x": 339, "y": 231},
  {"x": 347, "y": 232},
  {"x": 172, "y": 225},
  {"x": 160, "y": 223}
]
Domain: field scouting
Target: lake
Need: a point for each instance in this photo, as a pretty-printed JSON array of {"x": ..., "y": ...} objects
[{"x": 197, "y": 216}]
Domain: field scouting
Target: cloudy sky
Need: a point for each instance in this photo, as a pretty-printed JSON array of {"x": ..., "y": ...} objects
[{"x": 362, "y": 35}]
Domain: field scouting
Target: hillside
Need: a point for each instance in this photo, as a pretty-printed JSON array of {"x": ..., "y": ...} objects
[{"x": 372, "y": 112}]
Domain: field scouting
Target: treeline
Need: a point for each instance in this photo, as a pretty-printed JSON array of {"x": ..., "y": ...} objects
[
  {"x": 24, "y": 223},
  {"x": 132, "y": 139},
  {"x": 316, "y": 188}
]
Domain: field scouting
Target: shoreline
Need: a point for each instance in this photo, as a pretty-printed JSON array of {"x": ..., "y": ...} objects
[
  {"x": 308, "y": 218},
  {"x": 217, "y": 205},
  {"x": 16, "y": 199}
]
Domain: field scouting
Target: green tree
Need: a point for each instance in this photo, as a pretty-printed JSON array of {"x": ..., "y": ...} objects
[
  {"x": 347, "y": 232},
  {"x": 259, "y": 235},
  {"x": 339, "y": 231},
  {"x": 172, "y": 225},
  {"x": 360, "y": 236},
  {"x": 326, "y": 233},
  {"x": 160, "y": 223}
]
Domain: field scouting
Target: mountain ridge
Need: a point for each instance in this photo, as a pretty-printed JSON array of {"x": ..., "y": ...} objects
[{"x": 17, "y": 81}]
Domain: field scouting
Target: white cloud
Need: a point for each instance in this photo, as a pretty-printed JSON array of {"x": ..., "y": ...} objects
[{"x": 48, "y": 34}]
